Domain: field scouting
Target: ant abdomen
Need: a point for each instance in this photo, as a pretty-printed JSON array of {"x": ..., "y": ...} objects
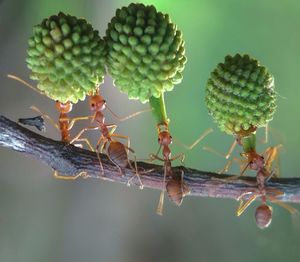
[
  {"x": 175, "y": 190},
  {"x": 118, "y": 154},
  {"x": 263, "y": 216}
]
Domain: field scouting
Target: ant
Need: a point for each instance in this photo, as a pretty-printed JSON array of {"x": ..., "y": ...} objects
[
  {"x": 176, "y": 188},
  {"x": 115, "y": 150},
  {"x": 263, "y": 213},
  {"x": 247, "y": 140},
  {"x": 65, "y": 124}
]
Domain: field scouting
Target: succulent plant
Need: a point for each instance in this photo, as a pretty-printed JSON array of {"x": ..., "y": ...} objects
[
  {"x": 66, "y": 57},
  {"x": 145, "y": 52},
  {"x": 240, "y": 95}
]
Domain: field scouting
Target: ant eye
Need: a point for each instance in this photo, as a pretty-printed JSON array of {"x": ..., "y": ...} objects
[
  {"x": 171, "y": 137},
  {"x": 93, "y": 105},
  {"x": 104, "y": 101}
]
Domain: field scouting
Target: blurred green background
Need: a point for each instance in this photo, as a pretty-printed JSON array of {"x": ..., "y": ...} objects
[{"x": 43, "y": 219}]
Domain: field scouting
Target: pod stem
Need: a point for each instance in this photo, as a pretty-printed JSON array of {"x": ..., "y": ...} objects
[
  {"x": 158, "y": 107},
  {"x": 249, "y": 142}
]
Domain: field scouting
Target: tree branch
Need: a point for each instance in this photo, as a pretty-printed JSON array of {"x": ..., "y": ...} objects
[{"x": 70, "y": 161}]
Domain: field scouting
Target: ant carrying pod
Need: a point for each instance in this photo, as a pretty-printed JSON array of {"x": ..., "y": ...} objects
[
  {"x": 66, "y": 56},
  {"x": 173, "y": 182},
  {"x": 64, "y": 124},
  {"x": 240, "y": 97},
  {"x": 116, "y": 151},
  {"x": 175, "y": 185},
  {"x": 145, "y": 61}
]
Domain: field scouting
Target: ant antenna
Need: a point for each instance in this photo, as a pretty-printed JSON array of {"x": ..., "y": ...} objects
[
  {"x": 129, "y": 116},
  {"x": 25, "y": 83}
]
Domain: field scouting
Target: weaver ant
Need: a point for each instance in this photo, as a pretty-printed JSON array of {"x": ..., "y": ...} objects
[
  {"x": 116, "y": 151},
  {"x": 263, "y": 213},
  {"x": 175, "y": 186},
  {"x": 64, "y": 125}
]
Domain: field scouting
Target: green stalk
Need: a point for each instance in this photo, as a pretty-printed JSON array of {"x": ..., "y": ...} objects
[
  {"x": 158, "y": 107},
  {"x": 249, "y": 143}
]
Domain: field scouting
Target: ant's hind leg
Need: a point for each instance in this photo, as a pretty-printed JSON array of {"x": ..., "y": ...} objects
[
  {"x": 243, "y": 206},
  {"x": 196, "y": 142},
  {"x": 58, "y": 176},
  {"x": 82, "y": 131},
  {"x": 87, "y": 141},
  {"x": 98, "y": 154},
  {"x": 134, "y": 168}
]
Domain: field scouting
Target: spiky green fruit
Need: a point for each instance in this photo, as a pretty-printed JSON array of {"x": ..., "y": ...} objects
[
  {"x": 66, "y": 57},
  {"x": 145, "y": 52},
  {"x": 240, "y": 95}
]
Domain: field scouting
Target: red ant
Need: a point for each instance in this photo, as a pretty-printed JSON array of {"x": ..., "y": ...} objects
[
  {"x": 65, "y": 124},
  {"x": 253, "y": 159},
  {"x": 176, "y": 188},
  {"x": 115, "y": 150},
  {"x": 263, "y": 213}
]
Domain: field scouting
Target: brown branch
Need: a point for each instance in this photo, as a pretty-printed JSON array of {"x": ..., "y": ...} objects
[{"x": 70, "y": 161}]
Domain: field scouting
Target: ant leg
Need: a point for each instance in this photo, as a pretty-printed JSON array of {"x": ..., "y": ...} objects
[
  {"x": 232, "y": 147},
  {"x": 83, "y": 174},
  {"x": 266, "y": 138},
  {"x": 136, "y": 170},
  {"x": 227, "y": 156},
  {"x": 243, "y": 206},
  {"x": 160, "y": 206},
  {"x": 34, "y": 108},
  {"x": 181, "y": 156},
  {"x": 101, "y": 140},
  {"x": 289, "y": 208},
  {"x": 103, "y": 147},
  {"x": 155, "y": 157},
  {"x": 271, "y": 155},
  {"x": 228, "y": 165},
  {"x": 75, "y": 119},
  {"x": 185, "y": 189},
  {"x": 87, "y": 141},
  {"x": 82, "y": 131},
  {"x": 121, "y": 119},
  {"x": 197, "y": 141},
  {"x": 113, "y": 128},
  {"x": 241, "y": 174}
]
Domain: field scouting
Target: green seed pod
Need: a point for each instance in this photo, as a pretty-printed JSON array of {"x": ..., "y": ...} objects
[
  {"x": 66, "y": 57},
  {"x": 240, "y": 95},
  {"x": 145, "y": 52}
]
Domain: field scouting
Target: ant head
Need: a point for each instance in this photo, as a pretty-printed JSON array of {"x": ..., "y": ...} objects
[
  {"x": 263, "y": 216},
  {"x": 97, "y": 103},
  {"x": 164, "y": 138},
  {"x": 63, "y": 107}
]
